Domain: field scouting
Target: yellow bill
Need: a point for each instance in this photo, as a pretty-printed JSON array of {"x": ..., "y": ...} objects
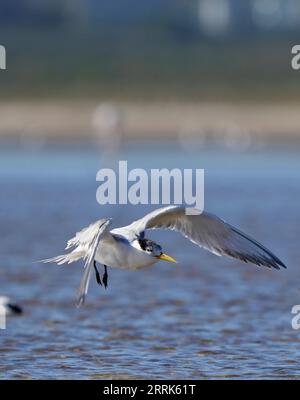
[{"x": 165, "y": 257}]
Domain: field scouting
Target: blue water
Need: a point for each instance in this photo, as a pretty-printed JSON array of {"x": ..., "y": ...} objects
[{"x": 205, "y": 317}]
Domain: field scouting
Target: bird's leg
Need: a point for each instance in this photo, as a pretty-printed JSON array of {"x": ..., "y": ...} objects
[
  {"x": 105, "y": 277},
  {"x": 97, "y": 275}
]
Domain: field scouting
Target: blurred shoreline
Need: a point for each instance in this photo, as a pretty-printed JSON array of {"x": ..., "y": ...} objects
[{"x": 75, "y": 119}]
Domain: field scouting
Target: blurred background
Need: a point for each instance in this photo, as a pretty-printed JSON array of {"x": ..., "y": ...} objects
[
  {"x": 161, "y": 84},
  {"x": 173, "y": 67}
]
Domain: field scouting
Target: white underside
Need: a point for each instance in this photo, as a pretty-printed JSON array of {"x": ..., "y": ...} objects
[{"x": 120, "y": 254}]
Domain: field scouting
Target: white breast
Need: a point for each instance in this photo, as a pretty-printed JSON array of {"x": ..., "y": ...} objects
[{"x": 121, "y": 254}]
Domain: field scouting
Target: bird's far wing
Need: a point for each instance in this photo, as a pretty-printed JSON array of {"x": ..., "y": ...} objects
[
  {"x": 89, "y": 238},
  {"x": 209, "y": 232},
  {"x": 86, "y": 235}
]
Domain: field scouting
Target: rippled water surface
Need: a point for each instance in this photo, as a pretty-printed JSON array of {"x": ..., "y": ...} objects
[{"x": 205, "y": 317}]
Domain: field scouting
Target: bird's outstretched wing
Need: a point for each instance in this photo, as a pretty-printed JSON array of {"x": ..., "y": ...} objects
[
  {"x": 85, "y": 244},
  {"x": 209, "y": 232}
]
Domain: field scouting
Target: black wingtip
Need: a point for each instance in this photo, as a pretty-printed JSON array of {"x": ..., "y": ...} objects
[
  {"x": 277, "y": 263},
  {"x": 268, "y": 259},
  {"x": 274, "y": 262},
  {"x": 283, "y": 265},
  {"x": 15, "y": 308}
]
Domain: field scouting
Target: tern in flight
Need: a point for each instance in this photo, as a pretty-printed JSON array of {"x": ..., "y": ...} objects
[{"x": 127, "y": 247}]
